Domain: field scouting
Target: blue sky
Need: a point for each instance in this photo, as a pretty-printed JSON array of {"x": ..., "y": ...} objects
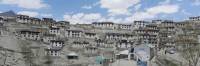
[{"x": 118, "y": 11}]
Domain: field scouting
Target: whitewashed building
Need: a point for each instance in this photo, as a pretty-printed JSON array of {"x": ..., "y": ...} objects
[
  {"x": 139, "y": 24},
  {"x": 55, "y": 47},
  {"x": 90, "y": 35},
  {"x": 35, "y": 21},
  {"x": 125, "y": 26},
  {"x": 73, "y": 33},
  {"x": 48, "y": 37},
  {"x": 125, "y": 44},
  {"x": 23, "y": 19},
  {"x": 55, "y": 30},
  {"x": 1, "y": 20},
  {"x": 91, "y": 50},
  {"x": 79, "y": 44},
  {"x": 31, "y": 35},
  {"x": 197, "y": 18},
  {"x": 119, "y": 36},
  {"x": 56, "y": 44},
  {"x": 108, "y": 25},
  {"x": 53, "y": 52}
]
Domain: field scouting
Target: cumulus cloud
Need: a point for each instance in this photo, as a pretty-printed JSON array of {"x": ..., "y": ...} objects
[
  {"x": 82, "y": 17},
  {"x": 87, "y": 18},
  {"x": 153, "y": 12},
  {"x": 167, "y": 9},
  {"x": 137, "y": 7},
  {"x": 118, "y": 7},
  {"x": 46, "y": 15},
  {"x": 90, "y": 6},
  {"x": 185, "y": 12},
  {"x": 29, "y": 13},
  {"x": 28, "y": 4},
  {"x": 165, "y": 2},
  {"x": 196, "y": 3},
  {"x": 149, "y": 13},
  {"x": 86, "y": 7}
]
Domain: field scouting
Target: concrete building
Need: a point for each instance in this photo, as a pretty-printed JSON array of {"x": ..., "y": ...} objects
[
  {"x": 48, "y": 21},
  {"x": 197, "y": 18},
  {"x": 55, "y": 47},
  {"x": 30, "y": 35},
  {"x": 124, "y": 44},
  {"x": 55, "y": 30},
  {"x": 80, "y": 44},
  {"x": 35, "y": 21},
  {"x": 23, "y": 19},
  {"x": 91, "y": 35},
  {"x": 56, "y": 44},
  {"x": 73, "y": 33},
  {"x": 91, "y": 50},
  {"x": 125, "y": 26},
  {"x": 167, "y": 33},
  {"x": 108, "y": 25},
  {"x": 1, "y": 20},
  {"x": 139, "y": 24},
  {"x": 48, "y": 37},
  {"x": 53, "y": 52},
  {"x": 62, "y": 24}
]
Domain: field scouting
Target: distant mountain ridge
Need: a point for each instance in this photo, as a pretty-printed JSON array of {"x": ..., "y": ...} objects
[{"x": 8, "y": 14}]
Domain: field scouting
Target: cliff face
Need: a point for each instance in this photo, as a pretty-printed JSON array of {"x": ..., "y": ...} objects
[{"x": 14, "y": 51}]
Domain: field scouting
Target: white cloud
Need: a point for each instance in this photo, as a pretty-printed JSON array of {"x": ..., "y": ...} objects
[
  {"x": 86, "y": 7},
  {"x": 185, "y": 12},
  {"x": 179, "y": 0},
  {"x": 137, "y": 7},
  {"x": 118, "y": 7},
  {"x": 153, "y": 12},
  {"x": 90, "y": 6},
  {"x": 165, "y": 2},
  {"x": 28, "y": 4},
  {"x": 196, "y": 3},
  {"x": 46, "y": 15},
  {"x": 82, "y": 17},
  {"x": 29, "y": 13},
  {"x": 167, "y": 9}
]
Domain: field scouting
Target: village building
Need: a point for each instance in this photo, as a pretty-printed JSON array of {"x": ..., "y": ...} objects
[
  {"x": 35, "y": 21},
  {"x": 139, "y": 24},
  {"x": 23, "y": 19},
  {"x": 73, "y": 33},
  {"x": 30, "y": 35},
  {"x": 80, "y": 44},
  {"x": 53, "y": 52},
  {"x": 99, "y": 43},
  {"x": 48, "y": 37},
  {"x": 113, "y": 36},
  {"x": 197, "y": 18},
  {"x": 125, "y": 44},
  {"x": 90, "y": 50},
  {"x": 56, "y": 44},
  {"x": 55, "y": 30},
  {"x": 62, "y": 24},
  {"x": 166, "y": 33},
  {"x": 125, "y": 26},
  {"x": 1, "y": 20},
  {"x": 48, "y": 21},
  {"x": 108, "y": 25},
  {"x": 91, "y": 35},
  {"x": 72, "y": 56}
]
